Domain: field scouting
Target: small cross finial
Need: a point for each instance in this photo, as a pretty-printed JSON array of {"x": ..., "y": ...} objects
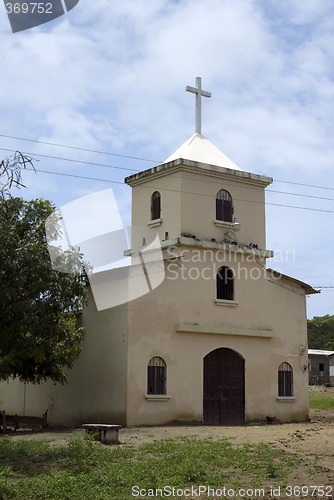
[{"x": 199, "y": 93}]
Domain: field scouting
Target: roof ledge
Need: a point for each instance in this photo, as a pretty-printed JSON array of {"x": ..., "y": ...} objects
[{"x": 182, "y": 164}]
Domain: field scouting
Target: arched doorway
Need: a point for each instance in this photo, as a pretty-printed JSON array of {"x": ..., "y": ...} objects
[{"x": 223, "y": 388}]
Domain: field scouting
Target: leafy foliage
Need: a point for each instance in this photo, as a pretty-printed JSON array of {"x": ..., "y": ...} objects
[
  {"x": 39, "y": 334},
  {"x": 321, "y": 332}
]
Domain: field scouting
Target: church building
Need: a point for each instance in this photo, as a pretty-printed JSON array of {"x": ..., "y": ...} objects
[{"x": 220, "y": 340}]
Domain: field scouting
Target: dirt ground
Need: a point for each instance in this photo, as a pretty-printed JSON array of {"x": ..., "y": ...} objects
[{"x": 312, "y": 441}]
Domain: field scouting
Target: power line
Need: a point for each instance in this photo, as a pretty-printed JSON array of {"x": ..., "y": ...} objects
[
  {"x": 135, "y": 170},
  {"x": 77, "y": 148},
  {"x": 73, "y": 175},
  {"x": 134, "y": 158},
  {"x": 299, "y": 194},
  {"x": 270, "y": 190},
  {"x": 303, "y": 184},
  {"x": 294, "y": 206},
  {"x": 71, "y": 160},
  {"x": 174, "y": 190},
  {"x": 200, "y": 194}
]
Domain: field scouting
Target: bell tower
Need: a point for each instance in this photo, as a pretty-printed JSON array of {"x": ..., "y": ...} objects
[{"x": 199, "y": 193}]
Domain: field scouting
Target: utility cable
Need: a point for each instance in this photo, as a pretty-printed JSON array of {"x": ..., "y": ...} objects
[
  {"x": 157, "y": 162},
  {"x": 173, "y": 190}
]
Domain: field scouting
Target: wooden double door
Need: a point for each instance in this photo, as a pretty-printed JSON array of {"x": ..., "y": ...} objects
[{"x": 224, "y": 388}]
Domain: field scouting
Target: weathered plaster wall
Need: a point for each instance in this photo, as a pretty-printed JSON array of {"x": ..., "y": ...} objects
[
  {"x": 262, "y": 305},
  {"x": 96, "y": 390}
]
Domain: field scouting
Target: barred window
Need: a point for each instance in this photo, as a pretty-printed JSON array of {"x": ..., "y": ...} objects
[
  {"x": 155, "y": 205},
  {"x": 225, "y": 283},
  {"x": 224, "y": 206},
  {"x": 156, "y": 376},
  {"x": 285, "y": 380}
]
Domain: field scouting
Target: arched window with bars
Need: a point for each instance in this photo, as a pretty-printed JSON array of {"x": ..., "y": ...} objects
[
  {"x": 156, "y": 376},
  {"x": 155, "y": 205},
  {"x": 225, "y": 283},
  {"x": 285, "y": 380},
  {"x": 224, "y": 206}
]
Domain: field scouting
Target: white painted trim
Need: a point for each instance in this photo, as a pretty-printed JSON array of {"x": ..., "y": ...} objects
[
  {"x": 228, "y": 303},
  {"x": 154, "y": 223},
  {"x": 235, "y": 226},
  {"x": 223, "y": 330},
  {"x": 286, "y": 399},
  {"x": 157, "y": 397}
]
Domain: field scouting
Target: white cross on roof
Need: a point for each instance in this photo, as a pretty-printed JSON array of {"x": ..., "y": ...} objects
[{"x": 199, "y": 93}]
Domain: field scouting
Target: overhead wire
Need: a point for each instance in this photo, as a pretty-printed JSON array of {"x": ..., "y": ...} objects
[
  {"x": 134, "y": 158},
  {"x": 70, "y": 160},
  {"x": 136, "y": 171},
  {"x": 73, "y": 175},
  {"x": 152, "y": 187},
  {"x": 77, "y": 148},
  {"x": 305, "y": 185},
  {"x": 173, "y": 190}
]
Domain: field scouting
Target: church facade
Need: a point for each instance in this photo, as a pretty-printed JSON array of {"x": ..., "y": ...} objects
[
  {"x": 221, "y": 341},
  {"x": 224, "y": 339}
]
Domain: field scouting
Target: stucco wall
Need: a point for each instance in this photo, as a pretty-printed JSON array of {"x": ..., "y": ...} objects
[
  {"x": 262, "y": 305},
  {"x": 96, "y": 390},
  {"x": 169, "y": 189},
  {"x": 195, "y": 211},
  {"x": 182, "y": 322},
  {"x": 198, "y": 208}
]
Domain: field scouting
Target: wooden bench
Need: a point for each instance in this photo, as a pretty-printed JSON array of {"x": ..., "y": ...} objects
[
  {"x": 106, "y": 433},
  {"x": 16, "y": 420}
]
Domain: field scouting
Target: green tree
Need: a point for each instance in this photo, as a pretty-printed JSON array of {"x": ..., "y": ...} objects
[
  {"x": 321, "y": 332},
  {"x": 39, "y": 333},
  {"x": 329, "y": 345}
]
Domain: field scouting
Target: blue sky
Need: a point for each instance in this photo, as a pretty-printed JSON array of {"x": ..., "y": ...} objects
[{"x": 110, "y": 77}]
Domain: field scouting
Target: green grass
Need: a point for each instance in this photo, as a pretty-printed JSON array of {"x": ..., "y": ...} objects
[
  {"x": 83, "y": 469},
  {"x": 321, "y": 402}
]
